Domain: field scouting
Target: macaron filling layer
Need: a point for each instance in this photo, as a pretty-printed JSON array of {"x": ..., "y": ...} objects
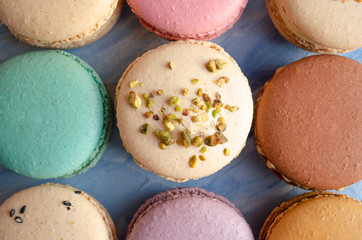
[{"x": 57, "y": 120}]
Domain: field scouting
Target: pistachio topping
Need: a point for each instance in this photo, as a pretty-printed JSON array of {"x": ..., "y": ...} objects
[
  {"x": 145, "y": 129},
  {"x": 170, "y": 127},
  {"x": 159, "y": 92},
  {"x": 196, "y": 141},
  {"x": 195, "y": 101},
  {"x": 221, "y": 120},
  {"x": 192, "y": 161},
  {"x": 221, "y": 81},
  {"x": 226, "y": 151},
  {"x": 144, "y": 96},
  {"x": 221, "y": 127},
  {"x": 211, "y": 66},
  {"x": 220, "y": 63},
  {"x": 149, "y": 102},
  {"x": 217, "y": 96},
  {"x": 186, "y": 139},
  {"x": 203, "y": 149},
  {"x": 142, "y": 84},
  {"x": 185, "y": 91},
  {"x": 231, "y": 108},
  {"x": 186, "y": 112},
  {"x": 134, "y": 100},
  {"x": 212, "y": 140},
  {"x": 174, "y": 101},
  {"x": 217, "y": 103},
  {"x": 223, "y": 138},
  {"x": 162, "y": 146},
  {"x": 171, "y": 117},
  {"x": 199, "y": 92},
  {"x": 165, "y": 137},
  {"x": 148, "y": 114},
  {"x": 202, "y": 158},
  {"x": 208, "y": 105},
  {"x": 206, "y": 97},
  {"x": 194, "y": 81},
  {"x": 132, "y": 84},
  {"x": 171, "y": 65},
  {"x": 178, "y": 109}
]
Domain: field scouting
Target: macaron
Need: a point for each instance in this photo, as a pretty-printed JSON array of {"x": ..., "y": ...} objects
[
  {"x": 188, "y": 213},
  {"x": 315, "y": 215},
  {"x": 184, "y": 19},
  {"x": 184, "y": 110},
  {"x": 55, "y": 115},
  {"x": 323, "y": 26},
  {"x": 307, "y": 123},
  {"x": 54, "y": 211},
  {"x": 59, "y": 24}
]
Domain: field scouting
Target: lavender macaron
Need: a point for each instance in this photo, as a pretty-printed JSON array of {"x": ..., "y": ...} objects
[{"x": 188, "y": 213}]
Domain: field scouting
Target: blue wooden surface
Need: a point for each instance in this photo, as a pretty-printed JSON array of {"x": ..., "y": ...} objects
[{"x": 117, "y": 182}]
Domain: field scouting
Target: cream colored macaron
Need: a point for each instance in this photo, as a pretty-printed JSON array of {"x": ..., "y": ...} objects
[
  {"x": 59, "y": 24},
  {"x": 184, "y": 110},
  {"x": 53, "y": 211},
  {"x": 323, "y": 26}
]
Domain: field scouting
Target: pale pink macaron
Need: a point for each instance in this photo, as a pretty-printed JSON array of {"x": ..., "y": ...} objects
[{"x": 185, "y": 19}]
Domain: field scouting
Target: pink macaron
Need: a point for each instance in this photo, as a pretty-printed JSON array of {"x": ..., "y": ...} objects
[
  {"x": 185, "y": 19},
  {"x": 188, "y": 213}
]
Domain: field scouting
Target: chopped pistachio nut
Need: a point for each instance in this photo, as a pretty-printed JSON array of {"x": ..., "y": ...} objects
[
  {"x": 195, "y": 100},
  {"x": 199, "y": 117},
  {"x": 179, "y": 120},
  {"x": 186, "y": 112},
  {"x": 196, "y": 141},
  {"x": 194, "y": 119},
  {"x": 144, "y": 96},
  {"x": 145, "y": 129},
  {"x": 206, "y": 97},
  {"x": 171, "y": 117},
  {"x": 170, "y": 127},
  {"x": 149, "y": 102},
  {"x": 212, "y": 140},
  {"x": 178, "y": 109},
  {"x": 159, "y": 92},
  {"x": 194, "y": 81},
  {"x": 221, "y": 120},
  {"x": 165, "y": 137},
  {"x": 174, "y": 101},
  {"x": 148, "y": 114},
  {"x": 214, "y": 113},
  {"x": 217, "y": 103},
  {"x": 221, "y": 81},
  {"x": 208, "y": 105},
  {"x": 223, "y": 138},
  {"x": 142, "y": 84},
  {"x": 233, "y": 109},
  {"x": 134, "y": 100},
  {"x": 132, "y": 84},
  {"x": 163, "y": 146},
  {"x": 192, "y": 161},
  {"x": 204, "y": 117},
  {"x": 186, "y": 139},
  {"x": 211, "y": 66},
  {"x": 217, "y": 96},
  {"x": 226, "y": 151},
  {"x": 171, "y": 64},
  {"x": 203, "y": 107},
  {"x": 203, "y": 149},
  {"x": 185, "y": 91},
  {"x": 221, "y": 127},
  {"x": 195, "y": 110},
  {"x": 202, "y": 158},
  {"x": 199, "y": 92},
  {"x": 220, "y": 63}
]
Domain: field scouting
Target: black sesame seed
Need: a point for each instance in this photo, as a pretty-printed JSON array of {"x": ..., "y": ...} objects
[
  {"x": 68, "y": 208},
  {"x": 77, "y": 192},
  {"x": 22, "y": 210},
  {"x": 12, "y": 212},
  {"x": 67, "y": 203},
  {"x": 18, "y": 220}
]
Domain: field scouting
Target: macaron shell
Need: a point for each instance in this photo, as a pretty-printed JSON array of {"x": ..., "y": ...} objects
[
  {"x": 307, "y": 122},
  {"x": 188, "y": 213},
  {"x": 189, "y": 58},
  {"x": 315, "y": 216},
  {"x": 57, "y": 119},
  {"x": 47, "y": 217},
  {"x": 176, "y": 20},
  {"x": 56, "y": 24},
  {"x": 325, "y": 26}
]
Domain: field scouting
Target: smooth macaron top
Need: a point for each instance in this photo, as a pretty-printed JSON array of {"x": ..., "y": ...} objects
[
  {"x": 54, "y": 115},
  {"x": 329, "y": 23},
  {"x": 188, "y": 19},
  {"x": 308, "y": 122},
  {"x": 195, "y": 112},
  {"x": 319, "y": 216},
  {"x": 52, "y": 21},
  {"x": 188, "y": 213},
  {"x": 53, "y": 211}
]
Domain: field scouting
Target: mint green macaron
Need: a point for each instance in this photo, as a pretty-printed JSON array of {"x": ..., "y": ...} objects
[{"x": 55, "y": 115}]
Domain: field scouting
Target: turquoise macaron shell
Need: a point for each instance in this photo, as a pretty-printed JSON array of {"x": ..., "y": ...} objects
[{"x": 55, "y": 115}]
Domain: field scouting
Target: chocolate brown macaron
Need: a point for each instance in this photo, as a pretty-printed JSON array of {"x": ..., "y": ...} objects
[
  {"x": 307, "y": 123},
  {"x": 315, "y": 215}
]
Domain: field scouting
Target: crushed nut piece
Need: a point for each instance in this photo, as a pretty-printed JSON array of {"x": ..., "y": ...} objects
[
  {"x": 186, "y": 139},
  {"x": 132, "y": 84},
  {"x": 170, "y": 127},
  {"x": 171, "y": 117},
  {"x": 217, "y": 96},
  {"x": 202, "y": 158},
  {"x": 174, "y": 101},
  {"x": 159, "y": 92},
  {"x": 221, "y": 120},
  {"x": 223, "y": 138},
  {"x": 221, "y": 127},
  {"x": 203, "y": 149},
  {"x": 196, "y": 141},
  {"x": 185, "y": 91},
  {"x": 145, "y": 129},
  {"x": 178, "y": 109},
  {"x": 134, "y": 100},
  {"x": 221, "y": 81},
  {"x": 211, "y": 66},
  {"x": 199, "y": 92},
  {"x": 165, "y": 137},
  {"x": 217, "y": 103},
  {"x": 148, "y": 114},
  {"x": 194, "y": 81},
  {"x": 226, "y": 151},
  {"x": 192, "y": 161},
  {"x": 206, "y": 97},
  {"x": 149, "y": 102},
  {"x": 142, "y": 84},
  {"x": 163, "y": 146},
  {"x": 171, "y": 65},
  {"x": 220, "y": 63},
  {"x": 144, "y": 96},
  {"x": 212, "y": 140}
]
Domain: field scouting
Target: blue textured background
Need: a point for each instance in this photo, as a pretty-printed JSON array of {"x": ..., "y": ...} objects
[{"x": 117, "y": 182}]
